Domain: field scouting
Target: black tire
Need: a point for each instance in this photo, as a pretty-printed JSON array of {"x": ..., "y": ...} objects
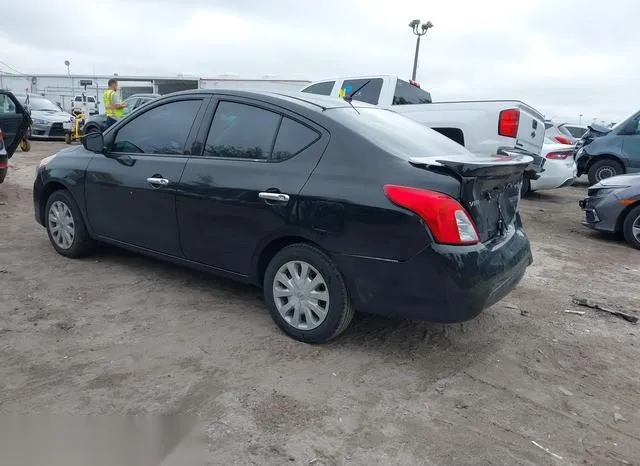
[
  {"x": 605, "y": 168},
  {"x": 82, "y": 243},
  {"x": 339, "y": 312},
  {"x": 632, "y": 218},
  {"x": 67, "y": 138},
  {"x": 526, "y": 186}
]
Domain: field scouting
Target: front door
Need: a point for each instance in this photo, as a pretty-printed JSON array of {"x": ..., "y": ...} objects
[
  {"x": 631, "y": 145},
  {"x": 14, "y": 121},
  {"x": 130, "y": 192},
  {"x": 244, "y": 186}
]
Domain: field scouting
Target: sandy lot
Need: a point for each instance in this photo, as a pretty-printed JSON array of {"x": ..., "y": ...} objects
[{"x": 120, "y": 333}]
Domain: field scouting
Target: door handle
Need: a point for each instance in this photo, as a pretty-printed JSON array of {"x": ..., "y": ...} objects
[
  {"x": 277, "y": 197},
  {"x": 157, "y": 182}
]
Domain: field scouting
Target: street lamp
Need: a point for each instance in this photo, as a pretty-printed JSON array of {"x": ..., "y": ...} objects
[
  {"x": 580, "y": 120},
  {"x": 67, "y": 63},
  {"x": 419, "y": 30}
]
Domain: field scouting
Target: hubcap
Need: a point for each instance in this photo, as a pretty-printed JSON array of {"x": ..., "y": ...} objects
[
  {"x": 605, "y": 172},
  {"x": 635, "y": 229},
  {"x": 301, "y": 295},
  {"x": 61, "y": 225}
]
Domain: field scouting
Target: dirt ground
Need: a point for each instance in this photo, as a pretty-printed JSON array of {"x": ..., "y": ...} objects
[{"x": 525, "y": 383}]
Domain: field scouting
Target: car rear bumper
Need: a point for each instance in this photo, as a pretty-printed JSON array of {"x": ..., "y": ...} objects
[{"x": 442, "y": 283}]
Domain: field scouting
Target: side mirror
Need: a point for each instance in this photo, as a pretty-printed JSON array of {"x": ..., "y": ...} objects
[{"x": 94, "y": 142}]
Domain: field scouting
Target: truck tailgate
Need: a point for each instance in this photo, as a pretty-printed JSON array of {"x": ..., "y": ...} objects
[{"x": 530, "y": 129}]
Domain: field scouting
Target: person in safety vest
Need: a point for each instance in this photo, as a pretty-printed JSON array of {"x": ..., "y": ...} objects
[{"x": 114, "y": 108}]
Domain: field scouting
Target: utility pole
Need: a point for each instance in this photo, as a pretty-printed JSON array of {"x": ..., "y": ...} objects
[
  {"x": 580, "y": 120},
  {"x": 419, "y": 30},
  {"x": 67, "y": 63}
]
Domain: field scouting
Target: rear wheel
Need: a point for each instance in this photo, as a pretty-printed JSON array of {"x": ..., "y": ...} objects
[
  {"x": 603, "y": 169},
  {"x": 65, "y": 226},
  {"x": 306, "y": 294},
  {"x": 631, "y": 227}
]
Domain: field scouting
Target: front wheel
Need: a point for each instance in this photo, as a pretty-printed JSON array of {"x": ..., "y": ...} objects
[
  {"x": 67, "y": 138},
  {"x": 631, "y": 227},
  {"x": 604, "y": 169},
  {"x": 306, "y": 294},
  {"x": 65, "y": 226},
  {"x": 526, "y": 186}
]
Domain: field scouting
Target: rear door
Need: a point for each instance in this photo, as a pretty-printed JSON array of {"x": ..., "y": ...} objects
[
  {"x": 243, "y": 188},
  {"x": 14, "y": 121},
  {"x": 531, "y": 130}
]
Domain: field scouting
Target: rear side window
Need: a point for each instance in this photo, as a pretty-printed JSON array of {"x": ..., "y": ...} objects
[
  {"x": 91, "y": 99},
  {"x": 78, "y": 98},
  {"x": 324, "y": 88},
  {"x": 161, "y": 130},
  {"x": 241, "y": 131},
  {"x": 293, "y": 138},
  {"x": 370, "y": 93},
  {"x": 407, "y": 94}
]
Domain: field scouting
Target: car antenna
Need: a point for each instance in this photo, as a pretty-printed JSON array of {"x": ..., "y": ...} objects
[{"x": 349, "y": 98}]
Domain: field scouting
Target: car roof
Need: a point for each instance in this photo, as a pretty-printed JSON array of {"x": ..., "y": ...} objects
[
  {"x": 142, "y": 94},
  {"x": 303, "y": 99}
]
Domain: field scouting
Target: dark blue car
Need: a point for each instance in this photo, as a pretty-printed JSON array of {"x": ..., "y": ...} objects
[{"x": 605, "y": 152}]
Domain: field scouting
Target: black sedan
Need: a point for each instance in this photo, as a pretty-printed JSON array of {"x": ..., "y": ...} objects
[{"x": 329, "y": 208}]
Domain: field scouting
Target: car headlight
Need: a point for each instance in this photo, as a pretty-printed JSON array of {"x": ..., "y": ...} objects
[
  {"x": 37, "y": 121},
  {"x": 45, "y": 161}
]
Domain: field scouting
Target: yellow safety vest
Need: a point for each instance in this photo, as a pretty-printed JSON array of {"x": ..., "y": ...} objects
[{"x": 108, "y": 100}]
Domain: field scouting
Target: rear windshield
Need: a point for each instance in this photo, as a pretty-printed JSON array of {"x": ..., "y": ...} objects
[{"x": 395, "y": 133}]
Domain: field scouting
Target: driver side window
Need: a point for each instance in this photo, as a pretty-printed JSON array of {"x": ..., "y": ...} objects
[{"x": 161, "y": 130}]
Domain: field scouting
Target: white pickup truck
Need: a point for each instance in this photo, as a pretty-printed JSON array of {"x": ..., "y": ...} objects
[{"x": 485, "y": 127}]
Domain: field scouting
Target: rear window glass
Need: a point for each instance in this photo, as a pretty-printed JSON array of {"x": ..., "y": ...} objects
[
  {"x": 368, "y": 90},
  {"x": 395, "y": 133},
  {"x": 407, "y": 94},
  {"x": 324, "y": 88}
]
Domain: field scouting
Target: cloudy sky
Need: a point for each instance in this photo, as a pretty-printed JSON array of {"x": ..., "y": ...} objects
[{"x": 565, "y": 57}]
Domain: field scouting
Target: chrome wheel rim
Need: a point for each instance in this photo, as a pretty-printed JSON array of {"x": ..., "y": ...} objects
[
  {"x": 605, "y": 172},
  {"x": 301, "y": 295},
  {"x": 61, "y": 225},
  {"x": 635, "y": 229}
]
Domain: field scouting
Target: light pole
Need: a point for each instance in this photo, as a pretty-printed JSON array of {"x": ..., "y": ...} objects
[
  {"x": 580, "y": 120},
  {"x": 67, "y": 63},
  {"x": 419, "y": 30}
]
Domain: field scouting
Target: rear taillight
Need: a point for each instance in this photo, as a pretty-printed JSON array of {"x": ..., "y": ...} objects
[
  {"x": 508, "y": 122},
  {"x": 563, "y": 140},
  {"x": 562, "y": 155},
  {"x": 446, "y": 218}
]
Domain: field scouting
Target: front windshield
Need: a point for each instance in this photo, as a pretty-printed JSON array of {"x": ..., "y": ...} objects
[
  {"x": 395, "y": 133},
  {"x": 38, "y": 103}
]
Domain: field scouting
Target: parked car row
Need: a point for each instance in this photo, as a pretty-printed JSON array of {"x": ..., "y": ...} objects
[{"x": 14, "y": 123}]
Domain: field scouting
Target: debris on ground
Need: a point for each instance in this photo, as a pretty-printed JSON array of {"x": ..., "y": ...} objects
[
  {"x": 617, "y": 417},
  {"x": 600, "y": 307},
  {"x": 564, "y": 391},
  {"x": 571, "y": 311},
  {"x": 524, "y": 312},
  {"x": 546, "y": 449}
]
